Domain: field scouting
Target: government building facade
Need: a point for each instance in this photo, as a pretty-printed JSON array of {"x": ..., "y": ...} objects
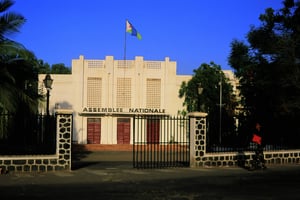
[{"x": 105, "y": 95}]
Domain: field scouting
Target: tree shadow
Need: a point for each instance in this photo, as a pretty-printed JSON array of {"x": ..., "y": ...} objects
[
  {"x": 79, "y": 152},
  {"x": 82, "y": 158}
]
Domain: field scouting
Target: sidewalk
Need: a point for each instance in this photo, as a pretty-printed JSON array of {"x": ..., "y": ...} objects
[{"x": 109, "y": 175}]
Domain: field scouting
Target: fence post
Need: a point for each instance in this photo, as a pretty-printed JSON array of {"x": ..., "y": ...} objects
[{"x": 197, "y": 137}]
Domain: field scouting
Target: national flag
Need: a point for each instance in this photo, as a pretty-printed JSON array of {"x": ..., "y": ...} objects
[{"x": 130, "y": 29}]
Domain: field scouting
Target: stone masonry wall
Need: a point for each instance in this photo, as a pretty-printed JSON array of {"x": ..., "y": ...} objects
[
  {"x": 36, "y": 163},
  {"x": 199, "y": 157}
]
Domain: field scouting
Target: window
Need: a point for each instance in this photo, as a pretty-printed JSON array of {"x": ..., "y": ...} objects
[
  {"x": 94, "y": 91},
  {"x": 124, "y": 92},
  {"x": 95, "y": 64},
  {"x": 153, "y": 90}
]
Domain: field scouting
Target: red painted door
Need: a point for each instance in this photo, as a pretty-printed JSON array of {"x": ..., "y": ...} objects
[
  {"x": 123, "y": 130},
  {"x": 93, "y": 130},
  {"x": 153, "y": 131}
]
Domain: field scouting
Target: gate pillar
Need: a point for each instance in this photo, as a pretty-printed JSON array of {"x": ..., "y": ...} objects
[
  {"x": 64, "y": 122},
  {"x": 197, "y": 137}
]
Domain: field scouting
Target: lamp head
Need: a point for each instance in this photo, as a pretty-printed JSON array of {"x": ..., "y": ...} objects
[
  {"x": 200, "y": 89},
  {"x": 48, "y": 82}
]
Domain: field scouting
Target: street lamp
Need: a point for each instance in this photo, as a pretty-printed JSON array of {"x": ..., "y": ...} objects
[
  {"x": 48, "y": 83},
  {"x": 220, "y": 119},
  {"x": 200, "y": 90}
]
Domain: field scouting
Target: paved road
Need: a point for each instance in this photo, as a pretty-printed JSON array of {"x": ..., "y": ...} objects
[{"x": 98, "y": 176}]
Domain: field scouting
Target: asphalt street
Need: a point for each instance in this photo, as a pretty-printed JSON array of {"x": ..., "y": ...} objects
[{"x": 110, "y": 175}]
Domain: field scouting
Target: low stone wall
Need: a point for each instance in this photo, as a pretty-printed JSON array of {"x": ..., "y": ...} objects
[
  {"x": 199, "y": 157},
  {"x": 36, "y": 163},
  {"x": 29, "y": 163},
  {"x": 243, "y": 159}
]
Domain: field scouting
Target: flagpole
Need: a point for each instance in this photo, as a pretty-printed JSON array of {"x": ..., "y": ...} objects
[
  {"x": 125, "y": 64},
  {"x": 125, "y": 41}
]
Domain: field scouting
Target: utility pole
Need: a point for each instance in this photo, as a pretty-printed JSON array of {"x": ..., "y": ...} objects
[{"x": 220, "y": 120}]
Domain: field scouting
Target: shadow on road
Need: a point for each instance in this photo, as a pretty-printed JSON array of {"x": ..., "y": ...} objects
[{"x": 101, "y": 159}]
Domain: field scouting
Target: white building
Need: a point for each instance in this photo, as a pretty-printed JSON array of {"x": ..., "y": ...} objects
[{"x": 106, "y": 94}]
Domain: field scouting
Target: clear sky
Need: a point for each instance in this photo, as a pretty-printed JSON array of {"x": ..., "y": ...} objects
[{"x": 190, "y": 32}]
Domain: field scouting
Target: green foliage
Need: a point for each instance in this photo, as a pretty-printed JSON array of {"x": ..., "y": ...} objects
[
  {"x": 18, "y": 74},
  {"x": 18, "y": 71},
  {"x": 208, "y": 77},
  {"x": 10, "y": 22},
  {"x": 44, "y": 68},
  {"x": 60, "y": 69},
  {"x": 269, "y": 70}
]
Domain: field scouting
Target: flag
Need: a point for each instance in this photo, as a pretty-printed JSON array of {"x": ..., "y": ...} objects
[{"x": 130, "y": 29}]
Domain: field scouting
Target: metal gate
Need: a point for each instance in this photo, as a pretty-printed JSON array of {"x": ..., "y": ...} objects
[{"x": 160, "y": 142}]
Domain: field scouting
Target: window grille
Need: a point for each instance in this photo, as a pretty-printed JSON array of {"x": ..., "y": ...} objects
[
  {"x": 94, "y": 92},
  {"x": 153, "y": 93},
  {"x": 125, "y": 64},
  {"x": 124, "y": 92},
  {"x": 153, "y": 65},
  {"x": 95, "y": 64}
]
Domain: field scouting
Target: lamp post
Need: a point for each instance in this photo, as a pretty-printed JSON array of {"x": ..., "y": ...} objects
[
  {"x": 48, "y": 83},
  {"x": 220, "y": 121},
  {"x": 200, "y": 90}
]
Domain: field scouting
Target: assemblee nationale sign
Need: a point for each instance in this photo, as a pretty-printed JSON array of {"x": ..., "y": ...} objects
[{"x": 124, "y": 110}]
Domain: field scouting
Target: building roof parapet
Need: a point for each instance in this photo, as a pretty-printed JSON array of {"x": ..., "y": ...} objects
[{"x": 126, "y": 64}]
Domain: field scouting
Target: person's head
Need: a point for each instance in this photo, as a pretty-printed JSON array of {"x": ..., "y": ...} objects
[{"x": 257, "y": 126}]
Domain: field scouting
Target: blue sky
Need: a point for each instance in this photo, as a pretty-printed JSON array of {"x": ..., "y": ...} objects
[{"x": 190, "y": 32}]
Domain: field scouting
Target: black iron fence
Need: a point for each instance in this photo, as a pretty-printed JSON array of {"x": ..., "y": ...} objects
[
  {"x": 27, "y": 134},
  {"x": 240, "y": 143},
  {"x": 161, "y": 141}
]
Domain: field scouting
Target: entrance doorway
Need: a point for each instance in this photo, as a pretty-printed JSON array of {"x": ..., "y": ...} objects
[
  {"x": 123, "y": 130},
  {"x": 153, "y": 133},
  {"x": 93, "y": 130}
]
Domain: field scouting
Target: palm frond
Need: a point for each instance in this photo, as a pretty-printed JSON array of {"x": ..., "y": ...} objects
[
  {"x": 10, "y": 23},
  {"x": 5, "y": 5},
  {"x": 11, "y": 51}
]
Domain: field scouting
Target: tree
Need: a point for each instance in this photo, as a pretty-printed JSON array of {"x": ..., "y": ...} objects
[
  {"x": 16, "y": 62},
  {"x": 208, "y": 77},
  {"x": 269, "y": 71},
  {"x": 44, "y": 68},
  {"x": 18, "y": 71},
  {"x": 60, "y": 69}
]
